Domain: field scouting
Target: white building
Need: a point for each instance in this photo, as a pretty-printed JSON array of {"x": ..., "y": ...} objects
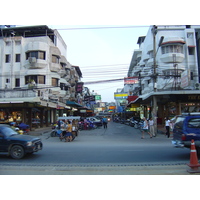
[
  {"x": 36, "y": 79},
  {"x": 167, "y": 66}
]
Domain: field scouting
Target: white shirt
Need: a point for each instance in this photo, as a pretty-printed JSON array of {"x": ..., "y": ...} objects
[
  {"x": 167, "y": 122},
  {"x": 151, "y": 122}
]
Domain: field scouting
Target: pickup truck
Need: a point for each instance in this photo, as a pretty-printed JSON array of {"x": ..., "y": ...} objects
[
  {"x": 186, "y": 128},
  {"x": 16, "y": 145}
]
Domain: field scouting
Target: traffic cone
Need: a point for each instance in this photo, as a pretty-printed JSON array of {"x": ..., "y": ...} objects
[{"x": 194, "y": 165}]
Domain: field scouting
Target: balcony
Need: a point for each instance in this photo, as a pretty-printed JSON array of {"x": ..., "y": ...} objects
[
  {"x": 55, "y": 67},
  {"x": 34, "y": 63},
  {"x": 172, "y": 57}
]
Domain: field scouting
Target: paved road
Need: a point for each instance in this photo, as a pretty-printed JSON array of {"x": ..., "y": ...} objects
[{"x": 116, "y": 150}]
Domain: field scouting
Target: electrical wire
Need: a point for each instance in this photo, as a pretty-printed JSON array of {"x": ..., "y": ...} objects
[{"x": 101, "y": 27}]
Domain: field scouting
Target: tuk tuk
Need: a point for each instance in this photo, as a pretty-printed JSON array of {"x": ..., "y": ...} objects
[{"x": 75, "y": 123}]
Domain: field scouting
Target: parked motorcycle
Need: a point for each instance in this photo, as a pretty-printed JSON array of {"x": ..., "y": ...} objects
[{"x": 139, "y": 124}]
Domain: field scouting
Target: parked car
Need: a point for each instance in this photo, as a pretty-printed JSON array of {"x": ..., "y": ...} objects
[
  {"x": 16, "y": 145},
  {"x": 186, "y": 128},
  {"x": 96, "y": 121}
]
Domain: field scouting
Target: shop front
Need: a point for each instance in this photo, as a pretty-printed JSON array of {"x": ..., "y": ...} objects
[{"x": 169, "y": 104}]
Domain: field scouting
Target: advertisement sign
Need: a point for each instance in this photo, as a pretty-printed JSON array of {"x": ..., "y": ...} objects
[
  {"x": 131, "y": 80},
  {"x": 79, "y": 87},
  {"x": 121, "y": 95},
  {"x": 185, "y": 79}
]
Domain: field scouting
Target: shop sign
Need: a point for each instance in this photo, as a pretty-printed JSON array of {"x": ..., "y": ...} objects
[
  {"x": 79, "y": 87},
  {"x": 112, "y": 107},
  {"x": 185, "y": 79},
  {"x": 121, "y": 95},
  {"x": 97, "y": 97},
  {"x": 89, "y": 98},
  {"x": 82, "y": 111},
  {"x": 131, "y": 80},
  {"x": 194, "y": 97}
]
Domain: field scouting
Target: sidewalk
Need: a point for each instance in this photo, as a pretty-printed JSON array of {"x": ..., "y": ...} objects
[{"x": 40, "y": 131}]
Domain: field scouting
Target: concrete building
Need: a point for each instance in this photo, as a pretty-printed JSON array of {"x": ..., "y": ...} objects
[
  {"x": 167, "y": 68},
  {"x": 37, "y": 81}
]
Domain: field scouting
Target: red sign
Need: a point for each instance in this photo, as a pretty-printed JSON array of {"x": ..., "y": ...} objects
[{"x": 131, "y": 80}]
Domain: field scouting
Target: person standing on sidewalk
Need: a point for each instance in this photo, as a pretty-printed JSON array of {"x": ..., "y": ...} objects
[
  {"x": 151, "y": 127},
  {"x": 167, "y": 126},
  {"x": 145, "y": 128}
]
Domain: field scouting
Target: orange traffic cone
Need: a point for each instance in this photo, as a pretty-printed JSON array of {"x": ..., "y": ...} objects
[{"x": 194, "y": 165}]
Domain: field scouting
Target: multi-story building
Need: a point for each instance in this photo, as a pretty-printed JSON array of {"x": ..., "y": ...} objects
[
  {"x": 167, "y": 67},
  {"x": 37, "y": 82}
]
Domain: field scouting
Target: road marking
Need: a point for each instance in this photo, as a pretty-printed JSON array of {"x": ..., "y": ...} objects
[{"x": 133, "y": 150}]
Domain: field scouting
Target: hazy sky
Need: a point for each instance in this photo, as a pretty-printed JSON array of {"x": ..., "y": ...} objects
[{"x": 102, "y": 54}]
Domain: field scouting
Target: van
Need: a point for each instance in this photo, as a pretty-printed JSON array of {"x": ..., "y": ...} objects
[{"x": 186, "y": 128}]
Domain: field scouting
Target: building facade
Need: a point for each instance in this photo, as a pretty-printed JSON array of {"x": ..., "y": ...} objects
[
  {"x": 36, "y": 79},
  {"x": 167, "y": 67}
]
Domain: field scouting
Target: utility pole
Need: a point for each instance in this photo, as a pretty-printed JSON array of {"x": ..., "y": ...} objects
[{"x": 154, "y": 110}]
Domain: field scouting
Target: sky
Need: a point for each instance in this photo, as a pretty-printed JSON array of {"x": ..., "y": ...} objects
[
  {"x": 104, "y": 53},
  {"x": 101, "y": 54}
]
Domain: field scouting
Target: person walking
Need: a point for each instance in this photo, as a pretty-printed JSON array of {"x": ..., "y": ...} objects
[
  {"x": 145, "y": 128},
  {"x": 167, "y": 126},
  {"x": 151, "y": 127},
  {"x": 105, "y": 122}
]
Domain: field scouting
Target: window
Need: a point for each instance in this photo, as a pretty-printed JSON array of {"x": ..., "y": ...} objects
[
  {"x": 62, "y": 86},
  {"x": 41, "y": 79},
  {"x": 7, "y": 58},
  {"x": 194, "y": 123},
  {"x": 8, "y": 43},
  {"x": 191, "y": 50},
  {"x": 190, "y": 35},
  {"x": 41, "y": 55},
  {"x": 17, "y": 42},
  {"x": 17, "y": 58},
  {"x": 55, "y": 59},
  {"x": 17, "y": 82},
  {"x": 36, "y": 54},
  {"x": 172, "y": 49},
  {"x": 38, "y": 79},
  {"x": 55, "y": 82}
]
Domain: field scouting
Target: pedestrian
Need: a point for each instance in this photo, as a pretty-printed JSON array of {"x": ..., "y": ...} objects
[
  {"x": 167, "y": 126},
  {"x": 59, "y": 124},
  {"x": 105, "y": 122},
  {"x": 68, "y": 137},
  {"x": 145, "y": 128},
  {"x": 151, "y": 127}
]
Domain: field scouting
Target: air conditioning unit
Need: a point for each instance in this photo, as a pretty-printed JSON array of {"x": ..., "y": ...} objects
[
  {"x": 32, "y": 60},
  {"x": 197, "y": 86}
]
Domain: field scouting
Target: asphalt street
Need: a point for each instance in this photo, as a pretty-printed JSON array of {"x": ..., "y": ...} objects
[{"x": 119, "y": 150}]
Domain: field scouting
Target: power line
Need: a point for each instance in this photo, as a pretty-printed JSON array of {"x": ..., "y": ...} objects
[{"x": 103, "y": 27}]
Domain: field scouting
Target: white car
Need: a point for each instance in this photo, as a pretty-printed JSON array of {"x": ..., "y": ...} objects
[{"x": 96, "y": 121}]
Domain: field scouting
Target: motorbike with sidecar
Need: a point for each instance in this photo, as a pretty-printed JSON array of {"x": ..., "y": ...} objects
[{"x": 61, "y": 133}]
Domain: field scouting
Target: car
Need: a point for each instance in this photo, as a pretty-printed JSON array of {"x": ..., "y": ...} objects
[
  {"x": 186, "y": 128},
  {"x": 96, "y": 121},
  {"x": 16, "y": 145}
]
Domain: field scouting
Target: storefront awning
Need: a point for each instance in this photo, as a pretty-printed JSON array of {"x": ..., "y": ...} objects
[
  {"x": 20, "y": 100},
  {"x": 73, "y": 104}
]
